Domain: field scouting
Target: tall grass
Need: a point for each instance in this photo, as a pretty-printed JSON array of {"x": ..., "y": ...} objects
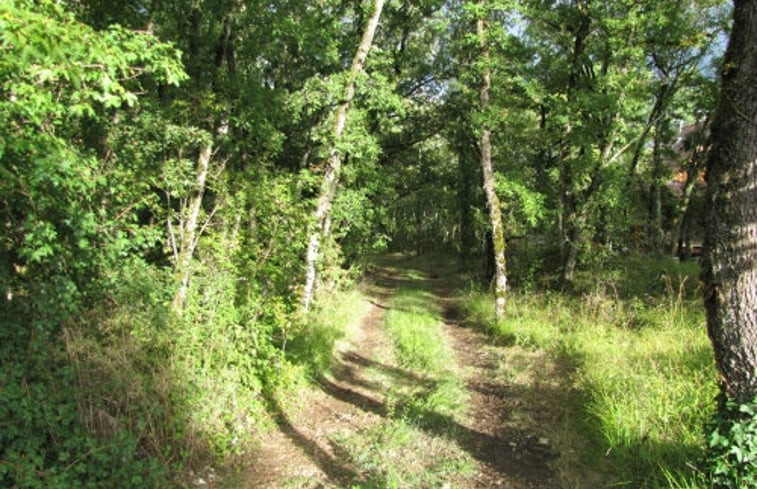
[
  {"x": 642, "y": 365},
  {"x": 311, "y": 343}
]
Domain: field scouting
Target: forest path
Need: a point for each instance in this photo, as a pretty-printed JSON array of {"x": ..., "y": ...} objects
[
  {"x": 375, "y": 421},
  {"x": 505, "y": 407},
  {"x": 301, "y": 452}
]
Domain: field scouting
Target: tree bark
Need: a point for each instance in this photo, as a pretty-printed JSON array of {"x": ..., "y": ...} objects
[
  {"x": 655, "y": 234},
  {"x": 730, "y": 260},
  {"x": 334, "y": 161},
  {"x": 188, "y": 236},
  {"x": 495, "y": 213}
]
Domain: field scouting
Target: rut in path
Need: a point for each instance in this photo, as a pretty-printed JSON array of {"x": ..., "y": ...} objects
[
  {"x": 510, "y": 455},
  {"x": 305, "y": 452}
]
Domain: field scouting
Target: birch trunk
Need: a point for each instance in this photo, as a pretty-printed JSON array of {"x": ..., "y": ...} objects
[
  {"x": 188, "y": 236},
  {"x": 334, "y": 162},
  {"x": 495, "y": 213}
]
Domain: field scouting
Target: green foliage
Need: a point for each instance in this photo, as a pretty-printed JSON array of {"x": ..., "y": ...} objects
[
  {"x": 222, "y": 355},
  {"x": 521, "y": 201},
  {"x": 104, "y": 385},
  {"x": 80, "y": 404},
  {"x": 63, "y": 252},
  {"x": 731, "y": 460}
]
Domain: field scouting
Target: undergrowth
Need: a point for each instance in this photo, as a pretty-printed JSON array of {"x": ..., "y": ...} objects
[
  {"x": 124, "y": 391},
  {"x": 643, "y": 366}
]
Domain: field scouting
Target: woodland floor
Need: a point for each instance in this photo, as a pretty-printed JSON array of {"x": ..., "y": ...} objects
[{"x": 514, "y": 397}]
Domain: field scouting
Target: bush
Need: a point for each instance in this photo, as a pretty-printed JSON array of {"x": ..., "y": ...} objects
[{"x": 732, "y": 457}]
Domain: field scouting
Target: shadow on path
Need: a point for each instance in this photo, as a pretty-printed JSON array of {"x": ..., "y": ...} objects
[{"x": 512, "y": 453}]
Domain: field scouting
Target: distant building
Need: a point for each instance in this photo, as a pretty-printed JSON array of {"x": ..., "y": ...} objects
[{"x": 688, "y": 153}]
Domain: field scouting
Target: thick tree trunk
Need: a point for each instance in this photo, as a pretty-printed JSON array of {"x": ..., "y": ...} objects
[
  {"x": 495, "y": 213},
  {"x": 334, "y": 162},
  {"x": 188, "y": 236},
  {"x": 730, "y": 263}
]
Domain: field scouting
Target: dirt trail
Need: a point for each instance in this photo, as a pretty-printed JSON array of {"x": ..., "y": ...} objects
[
  {"x": 511, "y": 454},
  {"x": 302, "y": 453}
]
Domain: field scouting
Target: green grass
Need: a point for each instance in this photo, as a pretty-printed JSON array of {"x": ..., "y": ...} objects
[
  {"x": 398, "y": 455},
  {"x": 642, "y": 367},
  {"x": 312, "y": 342},
  {"x": 413, "y": 323},
  {"x": 413, "y": 446}
]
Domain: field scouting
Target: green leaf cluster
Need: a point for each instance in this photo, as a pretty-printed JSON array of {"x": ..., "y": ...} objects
[{"x": 731, "y": 460}]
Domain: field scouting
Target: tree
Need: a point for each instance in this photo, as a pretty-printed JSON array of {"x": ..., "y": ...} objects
[
  {"x": 730, "y": 264},
  {"x": 334, "y": 160},
  {"x": 485, "y": 147}
]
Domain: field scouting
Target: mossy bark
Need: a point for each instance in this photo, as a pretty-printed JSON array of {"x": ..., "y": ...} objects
[
  {"x": 493, "y": 203},
  {"x": 188, "y": 236},
  {"x": 334, "y": 161}
]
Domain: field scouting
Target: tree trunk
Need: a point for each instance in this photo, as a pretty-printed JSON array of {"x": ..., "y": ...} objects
[
  {"x": 495, "y": 213},
  {"x": 730, "y": 260},
  {"x": 334, "y": 161},
  {"x": 188, "y": 236},
  {"x": 655, "y": 235},
  {"x": 682, "y": 218}
]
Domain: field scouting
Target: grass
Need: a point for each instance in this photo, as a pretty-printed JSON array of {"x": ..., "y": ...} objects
[
  {"x": 413, "y": 445},
  {"x": 399, "y": 455},
  {"x": 313, "y": 342},
  {"x": 642, "y": 366}
]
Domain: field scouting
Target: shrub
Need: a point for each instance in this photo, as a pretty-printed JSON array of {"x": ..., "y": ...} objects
[{"x": 732, "y": 457}]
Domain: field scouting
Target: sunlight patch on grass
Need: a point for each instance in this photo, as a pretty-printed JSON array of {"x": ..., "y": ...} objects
[
  {"x": 396, "y": 454},
  {"x": 336, "y": 321},
  {"x": 644, "y": 369}
]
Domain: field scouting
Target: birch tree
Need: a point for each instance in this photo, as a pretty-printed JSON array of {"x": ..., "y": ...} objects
[
  {"x": 188, "y": 229},
  {"x": 492, "y": 201},
  {"x": 330, "y": 180}
]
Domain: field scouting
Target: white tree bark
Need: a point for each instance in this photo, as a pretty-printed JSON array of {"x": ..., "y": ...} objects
[
  {"x": 495, "y": 213},
  {"x": 334, "y": 162},
  {"x": 188, "y": 236}
]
